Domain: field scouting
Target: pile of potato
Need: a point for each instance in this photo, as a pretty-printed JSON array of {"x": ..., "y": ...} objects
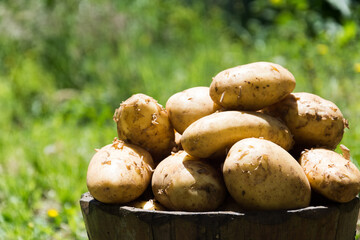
[{"x": 246, "y": 136}]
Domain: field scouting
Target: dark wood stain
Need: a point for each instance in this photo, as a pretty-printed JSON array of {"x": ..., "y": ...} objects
[{"x": 326, "y": 221}]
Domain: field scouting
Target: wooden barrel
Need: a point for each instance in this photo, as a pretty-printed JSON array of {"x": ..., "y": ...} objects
[{"x": 327, "y": 222}]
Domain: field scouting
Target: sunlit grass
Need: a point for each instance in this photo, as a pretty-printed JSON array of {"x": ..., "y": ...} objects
[{"x": 43, "y": 173}]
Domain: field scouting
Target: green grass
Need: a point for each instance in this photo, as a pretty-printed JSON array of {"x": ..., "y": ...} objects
[{"x": 59, "y": 86}]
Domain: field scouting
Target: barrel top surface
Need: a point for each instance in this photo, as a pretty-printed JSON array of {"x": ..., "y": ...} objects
[{"x": 87, "y": 199}]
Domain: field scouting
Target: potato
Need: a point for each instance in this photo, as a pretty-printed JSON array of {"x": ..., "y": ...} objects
[
  {"x": 119, "y": 173},
  {"x": 143, "y": 122},
  {"x": 314, "y": 121},
  {"x": 177, "y": 146},
  {"x": 147, "y": 205},
  {"x": 182, "y": 182},
  {"x": 252, "y": 86},
  {"x": 331, "y": 175},
  {"x": 212, "y": 135},
  {"x": 261, "y": 175},
  {"x": 188, "y": 106}
]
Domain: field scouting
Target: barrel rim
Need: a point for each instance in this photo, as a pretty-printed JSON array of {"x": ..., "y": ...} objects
[{"x": 87, "y": 197}]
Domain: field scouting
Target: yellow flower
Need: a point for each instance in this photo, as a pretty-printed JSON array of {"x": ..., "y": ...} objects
[
  {"x": 322, "y": 49},
  {"x": 53, "y": 213},
  {"x": 357, "y": 67}
]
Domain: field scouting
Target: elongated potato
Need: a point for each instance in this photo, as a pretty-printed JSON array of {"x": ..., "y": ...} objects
[
  {"x": 314, "y": 121},
  {"x": 214, "y": 134},
  {"x": 182, "y": 182},
  {"x": 142, "y": 121},
  {"x": 331, "y": 175},
  {"x": 252, "y": 86},
  {"x": 188, "y": 106},
  {"x": 260, "y": 175},
  {"x": 119, "y": 173}
]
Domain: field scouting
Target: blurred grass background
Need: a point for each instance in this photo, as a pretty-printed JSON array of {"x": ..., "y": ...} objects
[{"x": 66, "y": 65}]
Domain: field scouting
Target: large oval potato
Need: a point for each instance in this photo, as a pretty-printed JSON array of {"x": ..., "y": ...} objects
[
  {"x": 143, "y": 122},
  {"x": 188, "y": 106},
  {"x": 252, "y": 86},
  {"x": 182, "y": 182},
  {"x": 119, "y": 173},
  {"x": 212, "y": 135},
  {"x": 260, "y": 175},
  {"x": 314, "y": 121},
  {"x": 331, "y": 175}
]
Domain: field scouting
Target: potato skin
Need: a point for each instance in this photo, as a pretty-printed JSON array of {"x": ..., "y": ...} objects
[
  {"x": 212, "y": 135},
  {"x": 261, "y": 175},
  {"x": 185, "y": 183},
  {"x": 142, "y": 121},
  {"x": 331, "y": 175},
  {"x": 151, "y": 204},
  {"x": 188, "y": 106},
  {"x": 251, "y": 86},
  {"x": 177, "y": 146},
  {"x": 314, "y": 121},
  {"x": 119, "y": 173}
]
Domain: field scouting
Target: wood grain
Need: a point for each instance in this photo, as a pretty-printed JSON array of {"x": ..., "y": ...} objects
[{"x": 332, "y": 221}]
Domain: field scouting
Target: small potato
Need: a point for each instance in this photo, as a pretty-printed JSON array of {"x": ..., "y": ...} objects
[
  {"x": 331, "y": 175},
  {"x": 188, "y": 106},
  {"x": 147, "y": 205},
  {"x": 185, "y": 183},
  {"x": 314, "y": 121},
  {"x": 214, "y": 134},
  {"x": 142, "y": 121},
  {"x": 261, "y": 175},
  {"x": 119, "y": 173},
  {"x": 252, "y": 86},
  {"x": 177, "y": 146}
]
